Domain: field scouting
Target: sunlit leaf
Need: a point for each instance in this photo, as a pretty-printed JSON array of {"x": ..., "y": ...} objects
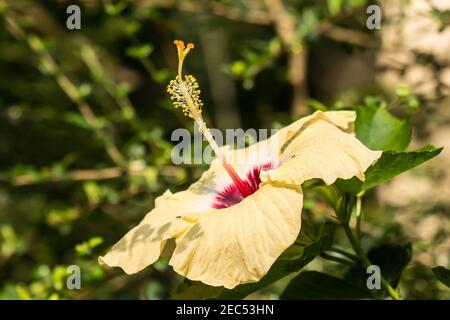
[
  {"x": 387, "y": 167},
  {"x": 380, "y": 130}
]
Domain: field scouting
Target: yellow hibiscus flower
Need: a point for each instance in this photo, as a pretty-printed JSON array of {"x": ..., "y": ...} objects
[{"x": 231, "y": 225}]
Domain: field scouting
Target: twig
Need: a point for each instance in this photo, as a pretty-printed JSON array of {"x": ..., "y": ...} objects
[
  {"x": 253, "y": 16},
  {"x": 262, "y": 17},
  {"x": 79, "y": 175},
  {"x": 341, "y": 34},
  {"x": 91, "y": 59},
  {"x": 90, "y": 174}
]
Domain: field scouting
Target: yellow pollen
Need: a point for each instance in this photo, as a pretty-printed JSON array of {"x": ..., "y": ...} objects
[{"x": 184, "y": 91}]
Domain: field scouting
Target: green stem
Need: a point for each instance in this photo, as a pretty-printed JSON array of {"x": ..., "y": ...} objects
[
  {"x": 366, "y": 262},
  {"x": 345, "y": 253},
  {"x": 338, "y": 260},
  {"x": 358, "y": 216}
]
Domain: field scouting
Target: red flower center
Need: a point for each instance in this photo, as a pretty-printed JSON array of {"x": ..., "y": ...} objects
[{"x": 231, "y": 194}]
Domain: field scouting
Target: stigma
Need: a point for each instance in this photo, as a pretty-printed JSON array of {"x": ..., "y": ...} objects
[{"x": 185, "y": 94}]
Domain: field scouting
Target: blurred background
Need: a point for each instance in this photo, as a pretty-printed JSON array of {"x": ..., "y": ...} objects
[{"x": 85, "y": 122}]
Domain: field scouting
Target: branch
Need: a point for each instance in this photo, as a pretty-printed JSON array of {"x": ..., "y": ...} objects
[
  {"x": 79, "y": 175},
  {"x": 253, "y": 15},
  {"x": 90, "y": 174},
  {"x": 341, "y": 34}
]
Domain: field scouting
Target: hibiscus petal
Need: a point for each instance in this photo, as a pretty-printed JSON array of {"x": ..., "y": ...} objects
[
  {"x": 174, "y": 214},
  {"x": 239, "y": 244},
  {"x": 233, "y": 245},
  {"x": 322, "y": 150},
  {"x": 268, "y": 151},
  {"x": 342, "y": 119}
]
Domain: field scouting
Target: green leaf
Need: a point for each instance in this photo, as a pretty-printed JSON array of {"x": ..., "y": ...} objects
[
  {"x": 115, "y": 9},
  {"x": 380, "y": 130},
  {"x": 162, "y": 75},
  {"x": 442, "y": 274},
  {"x": 22, "y": 293},
  {"x": 132, "y": 28},
  {"x": 413, "y": 103},
  {"x": 335, "y": 6},
  {"x": 95, "y": 241},
  {"x": 154, "y": 291},
  {"x": 292, "y": 260},
  {"x": 84, "y": 90},
  {"x": 393, "y": 163},
  {"x": 392, "y": 259},
  {"x": 317, "y": 105},
  {"x": 76, "y": 119},
  {"x": 356, "y": 3},
  {"x": 308, "y": 27},
  {"x": 317, "y": 285},
  {"x": 403, "y": 91},
  {"x": 36, "y": 43},
  {"x": 238, "y": 68},
  {"x": 388, "y": 166}
]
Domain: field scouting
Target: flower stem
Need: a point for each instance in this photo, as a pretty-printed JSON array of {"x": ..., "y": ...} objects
[{"x": 366, "y": 262}]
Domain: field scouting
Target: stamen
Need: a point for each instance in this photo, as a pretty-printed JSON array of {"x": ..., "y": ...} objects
[{"x": 185, "y": 94}]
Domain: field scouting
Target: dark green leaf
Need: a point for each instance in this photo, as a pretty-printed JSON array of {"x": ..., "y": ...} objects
[
  {"x": 195, "y": 290},
  {"x": 292, "y": 260},
  {"x": 391, "y": 259},
  {"x": 380, "y": 130},
  {"x": 316, "y": 285},
  {"x": 388, "y": 166},
  {"x": 76, "y": 119},
  {"x": 443, "y": 275}
]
